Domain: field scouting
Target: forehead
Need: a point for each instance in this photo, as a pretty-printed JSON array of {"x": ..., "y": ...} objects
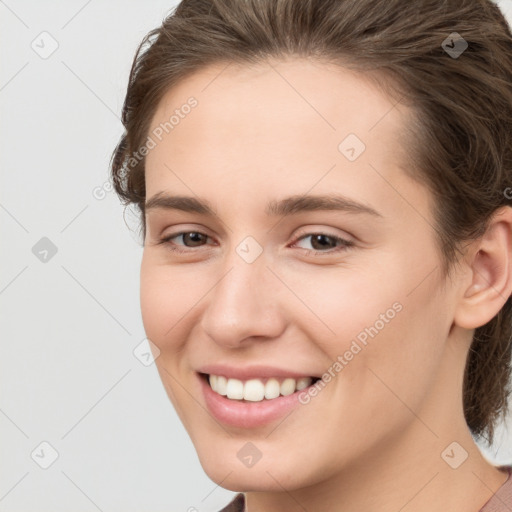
[
  {"x": 281, "y": 124},
  {"x": 324, "y": 98}
]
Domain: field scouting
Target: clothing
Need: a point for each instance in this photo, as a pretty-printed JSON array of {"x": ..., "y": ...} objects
[
  {"x": 236, "y": 505},
  {"x": 500, "y": 501}
]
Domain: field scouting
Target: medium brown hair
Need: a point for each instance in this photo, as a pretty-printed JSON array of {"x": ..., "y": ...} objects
[{"x": 459, "y": 141}]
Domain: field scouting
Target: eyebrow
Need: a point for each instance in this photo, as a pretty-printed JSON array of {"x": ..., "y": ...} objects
[{"x": 284, "y": 207}]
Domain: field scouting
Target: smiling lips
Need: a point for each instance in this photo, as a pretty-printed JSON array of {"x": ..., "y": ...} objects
[
  {"x": 251, "y": 397},
  {"x": 256, "y": 390},
  {"x": 254, "y": 383}
]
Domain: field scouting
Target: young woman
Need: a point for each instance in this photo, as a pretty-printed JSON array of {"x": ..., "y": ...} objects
[{"x": 324, "y": 189}]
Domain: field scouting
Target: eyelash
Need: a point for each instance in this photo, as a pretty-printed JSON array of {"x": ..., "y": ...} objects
[{"x": 344, "y": 244}]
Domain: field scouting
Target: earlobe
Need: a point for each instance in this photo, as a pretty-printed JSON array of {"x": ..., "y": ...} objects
[{"x": 490, "y": 270}]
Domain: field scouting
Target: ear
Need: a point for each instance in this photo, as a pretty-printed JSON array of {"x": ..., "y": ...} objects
[{"x": 489, "y": 271}]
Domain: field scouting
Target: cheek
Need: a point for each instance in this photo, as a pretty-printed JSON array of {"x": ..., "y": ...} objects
[
  {"x": 373, "y": 322},
  {"x": 345, "y": 305},
  {"x": 166, "y": 298},
  {"x": 399, "y": 362}
]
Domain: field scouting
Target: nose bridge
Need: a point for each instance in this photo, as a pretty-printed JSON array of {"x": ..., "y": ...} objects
[{"x": 242, "y": 303}]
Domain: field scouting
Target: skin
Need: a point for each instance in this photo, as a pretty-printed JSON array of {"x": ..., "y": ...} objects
[{"x": 266, "y": 132}]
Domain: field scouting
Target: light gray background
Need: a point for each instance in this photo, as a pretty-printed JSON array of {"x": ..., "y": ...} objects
[{"x": 70, "y": 325}]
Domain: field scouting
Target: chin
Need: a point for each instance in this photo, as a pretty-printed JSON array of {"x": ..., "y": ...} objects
[
  {"x": 251, "y": 481},
  {"x": 267, "y": 475}
]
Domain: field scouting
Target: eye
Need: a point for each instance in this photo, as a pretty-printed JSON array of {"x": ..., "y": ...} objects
[
  {"x": 320, "y": 242},
  {"x": 194, "y": 238},
  {"x": 323, "y": 242}
]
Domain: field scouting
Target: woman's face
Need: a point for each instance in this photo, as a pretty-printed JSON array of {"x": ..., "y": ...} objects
[{"x": 293, "y": 159}]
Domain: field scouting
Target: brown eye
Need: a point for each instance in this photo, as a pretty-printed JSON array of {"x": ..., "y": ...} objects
[
  {"x": 323, "y": 242},
  {"x": 319, "y": 242},
  {"x": 190, "y": 240},
  {"x": 193, "y": 237}
]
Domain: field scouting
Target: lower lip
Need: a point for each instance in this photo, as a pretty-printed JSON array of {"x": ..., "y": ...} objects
[{"x": 247, "y": 414}]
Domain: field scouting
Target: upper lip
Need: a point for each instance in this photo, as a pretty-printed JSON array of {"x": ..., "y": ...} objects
[{"x": 251, "y": 372}]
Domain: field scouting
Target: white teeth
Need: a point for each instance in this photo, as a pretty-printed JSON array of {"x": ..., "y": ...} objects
[
  {"x": 222, "y": 384},
  {"x": 235, "y": 389},
  {"x": 272, "y": 389},
  {"x": 255, "y": 390},
  {"x": 287, "y": 387},
  {"x": 303, "y": 382}
]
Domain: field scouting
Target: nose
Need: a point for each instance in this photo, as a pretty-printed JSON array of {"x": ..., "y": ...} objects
[{"x": 244, "y": 305}]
